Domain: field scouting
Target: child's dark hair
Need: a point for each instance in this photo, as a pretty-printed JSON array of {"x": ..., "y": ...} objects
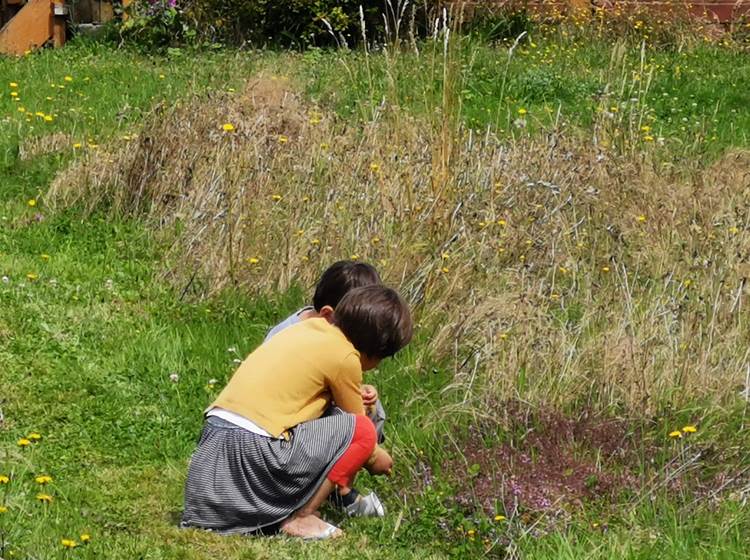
[
  {"x": 341, "y": 277},
  {"x": 375, "y": 319}
]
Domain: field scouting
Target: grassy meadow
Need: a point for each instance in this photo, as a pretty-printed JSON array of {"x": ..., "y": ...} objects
[{"x": 568, "y": 217}]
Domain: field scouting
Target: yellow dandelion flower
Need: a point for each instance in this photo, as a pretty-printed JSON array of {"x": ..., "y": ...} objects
[
  {"x": 44, "y": 498},
  {"x": 645, "y": 128},
  {"x": 43, "y": 479},
  {"x": 161, "y": 76},
  {"x": 39, "y": 114},
  {"x": 734, "y": 230},
  {"x": 31, "y": 202},
  {"x": 253, "y": 260},
  {"x": 675, "y": 434},
  {"x": 68, "y": 78},
  {"x": 471, "y": 532},
  {"x": 499, "y": 518},
  {"x": 33, "y": 436},
  {"x": 3, "y": 509},
  {"x": 22, "y": 109},
  {"x": 689, "y": 429},
  {"x": 276, "y": 197},
  {"x": 522, "y": 111},
  {"x": 4, "y": 479},
  {"x": 23, "y": 442},
  {"x": 85, "y": 538},
  {"x": 324, "y": 146},
  {"x": 283, "y": 139},
  {"x": 374, "y": 167},
  {"x": 315, "y": 242},
  {"x": 13, "y": 85},
  {"x": 648, "y": 138},
  {"x": 68, "y": 543},
  {"x": 31, "y": 276},
  {"x": 14, "y": 94},
  {"x": 227, "y": 127},
  {"x": 77, "y": 146},
  {"x": 641, "y": 218},
  {"x": 502, "y": 223},
  {"x": 445, "y": 270},
  {"x": 605, "y": 269},
  {"x": 354, "y": 257}
]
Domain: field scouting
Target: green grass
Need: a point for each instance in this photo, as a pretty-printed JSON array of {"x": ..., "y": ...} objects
[{"x": 90, "y": 331}]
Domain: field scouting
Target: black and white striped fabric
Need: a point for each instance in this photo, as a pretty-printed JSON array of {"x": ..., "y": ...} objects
[{"x": 241, "y": 482}]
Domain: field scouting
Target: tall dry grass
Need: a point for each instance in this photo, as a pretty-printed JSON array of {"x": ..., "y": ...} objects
[{"x": 550, "y": 269}]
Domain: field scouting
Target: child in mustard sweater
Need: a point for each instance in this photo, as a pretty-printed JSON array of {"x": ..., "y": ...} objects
[{"x": 267, "y": 456}]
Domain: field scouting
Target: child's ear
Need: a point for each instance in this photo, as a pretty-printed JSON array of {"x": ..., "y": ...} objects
[{"x": 327, "y": 313}]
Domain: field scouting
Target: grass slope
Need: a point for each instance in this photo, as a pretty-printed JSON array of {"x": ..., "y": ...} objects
[{"x": 90, "y": 334}]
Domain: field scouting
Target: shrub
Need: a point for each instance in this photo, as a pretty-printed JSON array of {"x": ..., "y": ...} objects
[{"x": 156, "y": 24}]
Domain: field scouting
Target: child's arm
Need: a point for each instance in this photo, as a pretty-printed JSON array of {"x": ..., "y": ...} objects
[
  {"x": 380, "y": 462},
  {"x": 345, "y": 386}
]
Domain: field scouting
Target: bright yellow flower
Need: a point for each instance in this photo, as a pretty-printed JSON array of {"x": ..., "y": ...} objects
[
  {"x": 43, "y": 479},
  {"x": 675, "y": 434},
  {"x": 33, "y": 436},
  {"x": 85, "y": 538},
  {"x": 641, "y": 218},
  {"x": 253, "y": 260},
  {"x": 48, "y": 118},
  {"x": 276, "y": 197},
  {"x": 23, "y": 442},
  {"x": 374, "y": 167},
  {"x": 31, "y": 202},
  {"x": 228, "y": 127},
  {"x": 44, "y": 498},
  {"x": 31, "y": 276},
  {"x": 499, "y": 518},
  {"x": 689, "y": 429},
  {"x": 3, "y": 509},
  {"x": 522, "y": 111},
  {"x": 68, "y": 78},
  {"x": 68, "y": 543},
  {"x": 77, "y": 146},
  {"x": 14, "y": 94},
  {"x": 13, "y": 85},
  {"x": 4, "y": 479},
  {"x": 283, "y": 139}
]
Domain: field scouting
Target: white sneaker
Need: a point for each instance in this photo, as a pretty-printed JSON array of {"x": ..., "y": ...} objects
[{"x": 366, "y": 506}]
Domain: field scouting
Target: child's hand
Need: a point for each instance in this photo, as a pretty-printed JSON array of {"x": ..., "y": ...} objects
[{"x": 369, "y": 395}]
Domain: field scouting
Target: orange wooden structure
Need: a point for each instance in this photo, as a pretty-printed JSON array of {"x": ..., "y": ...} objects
[{"x": 30, "y": 25}]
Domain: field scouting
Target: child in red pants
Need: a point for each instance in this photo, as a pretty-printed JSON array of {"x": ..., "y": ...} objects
[{"x": 277, "y": 459}]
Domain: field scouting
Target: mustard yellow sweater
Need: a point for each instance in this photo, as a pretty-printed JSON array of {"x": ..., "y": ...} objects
[{"x": 293, "y": 377}]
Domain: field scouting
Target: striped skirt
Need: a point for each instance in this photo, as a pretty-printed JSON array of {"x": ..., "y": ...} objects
[{"x": 241, "y": 482}]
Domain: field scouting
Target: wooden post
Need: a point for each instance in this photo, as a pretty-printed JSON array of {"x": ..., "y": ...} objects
[{"x": 60, "y": 11}]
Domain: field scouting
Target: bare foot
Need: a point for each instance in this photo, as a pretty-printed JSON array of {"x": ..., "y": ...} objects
[{"x": 310, "y": 527}]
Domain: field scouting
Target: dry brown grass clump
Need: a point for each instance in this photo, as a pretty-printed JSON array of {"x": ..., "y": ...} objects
[{"x": 543, "y": 269}]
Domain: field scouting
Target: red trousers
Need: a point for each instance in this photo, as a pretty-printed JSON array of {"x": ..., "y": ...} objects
[{"x": 361, "y": 447}]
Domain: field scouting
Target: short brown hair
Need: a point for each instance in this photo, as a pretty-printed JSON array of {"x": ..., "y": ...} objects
[
  {"x": 341, "y": 277},
  {"x": 375, "y": 319}
]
